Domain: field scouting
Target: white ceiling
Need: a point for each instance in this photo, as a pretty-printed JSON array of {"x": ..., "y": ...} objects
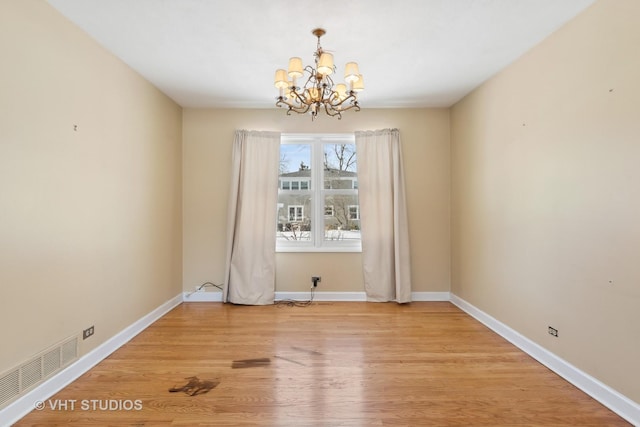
[{"x": 412, "y": 53}]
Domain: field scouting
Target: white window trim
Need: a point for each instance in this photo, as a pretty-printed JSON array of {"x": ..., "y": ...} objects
[{"x": 317, "y": 243}]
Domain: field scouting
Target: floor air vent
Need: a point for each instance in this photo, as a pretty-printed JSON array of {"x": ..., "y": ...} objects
[{"x": 26, "y": 376}]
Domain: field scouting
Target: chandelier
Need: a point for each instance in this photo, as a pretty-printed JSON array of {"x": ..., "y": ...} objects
[{"x": 319, "y": 91}]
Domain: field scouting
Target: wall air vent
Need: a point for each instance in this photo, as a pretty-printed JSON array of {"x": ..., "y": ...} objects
[
  {"x": 16, "y": 381},
  {"x": 31, "y": 373},
  {"x": 69, "y": 351},
  {"x": 51, "y": 361},
  {"x": 9, "y": 386}
]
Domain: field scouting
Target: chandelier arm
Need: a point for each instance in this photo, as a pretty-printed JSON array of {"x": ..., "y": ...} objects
[
  {"x": 301, "y": 109},
  {"x": 355, "y": 106},
  {"x": 311, "y": 82},
  {"x": 332, "y": 112},
  {"x": 312, "y": 75},
  {"x": 299, "y": 98},
  {"x": 352, "y": 97},
  {"x": 327, "y": 89},
  {"x": 281, "y": 102},
  {"x": 343, "y": 106}
]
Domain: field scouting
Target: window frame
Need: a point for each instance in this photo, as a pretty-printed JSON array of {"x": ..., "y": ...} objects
[{"x": 317, "y": 243}]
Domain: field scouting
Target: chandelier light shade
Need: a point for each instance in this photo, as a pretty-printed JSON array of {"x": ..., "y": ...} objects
[
  {"x": 281, "y": 79},
  {"x": 351, "y": 72},
  {"x": 295, "y": 68},
  {"x": 319, "y": 91}
]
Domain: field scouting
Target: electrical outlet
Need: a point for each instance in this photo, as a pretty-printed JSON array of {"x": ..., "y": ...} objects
[
  {"x": 315, "y": 280},
  {"x": 87, "y": 332},
  {"x": 553, "y": 331}
]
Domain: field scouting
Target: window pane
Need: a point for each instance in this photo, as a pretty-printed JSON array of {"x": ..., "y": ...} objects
[
  {"x": 340, "y": 167},
  {"x": 294, "y": 217},
  {"x": 342, "y": 225},
  {"x": 295, "y": 165}
]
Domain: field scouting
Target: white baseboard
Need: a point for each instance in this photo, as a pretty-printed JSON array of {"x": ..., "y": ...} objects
[
  {"x": 318, "y": 296},
  {"x": 322, "y": 296},
  {"x": 357, "y": 296},
  {"x": 298, "y": 296},
  {"x": 430, "y": 296},
  {"x": 25, "y": 404},
  {"x": 202, "y": 296},
  {"x": 617, "y": 402}
]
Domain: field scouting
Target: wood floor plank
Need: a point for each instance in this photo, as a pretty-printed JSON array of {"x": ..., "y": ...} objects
[{"x": 328, "y": 364}]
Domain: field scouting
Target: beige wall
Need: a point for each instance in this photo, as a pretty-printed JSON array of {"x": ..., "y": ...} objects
[
  {"x": 90, "y": 220},
  {"x": 546, "y": 194},
  {"x": 207, "y": 139}
]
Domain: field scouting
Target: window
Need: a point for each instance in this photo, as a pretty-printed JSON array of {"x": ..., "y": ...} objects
[
  {"x": 318, "y": 194},
  {"x": 295, "y": 213},
  {"x": 288, "y": 184},
  {"x": 354, "y": 212}
]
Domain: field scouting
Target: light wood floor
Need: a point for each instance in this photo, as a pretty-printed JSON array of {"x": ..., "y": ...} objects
[{"x": 329, "y": 364}]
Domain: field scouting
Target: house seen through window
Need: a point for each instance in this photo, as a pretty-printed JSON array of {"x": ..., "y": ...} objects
[{"x": 318, "y": 194}]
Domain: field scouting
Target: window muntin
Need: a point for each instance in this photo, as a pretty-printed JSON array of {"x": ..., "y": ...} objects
[{"x": 312, "y": 217}]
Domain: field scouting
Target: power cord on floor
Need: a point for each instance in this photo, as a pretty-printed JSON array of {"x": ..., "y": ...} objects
[
  {"x": 204, "y": 285},
  {"x": 296, "y": 303},
  {"x": 283, "y": 302}
]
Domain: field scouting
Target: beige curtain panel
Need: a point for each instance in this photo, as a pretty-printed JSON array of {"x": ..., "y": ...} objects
[
  {"x": 383, "y": 216},
  {"x": 251, "y": 237}
]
